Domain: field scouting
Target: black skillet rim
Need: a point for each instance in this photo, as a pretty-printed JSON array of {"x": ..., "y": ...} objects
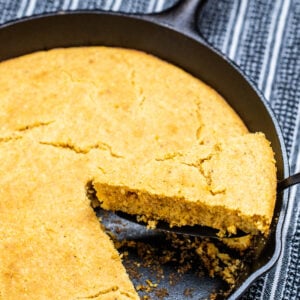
[{"x": 144, "y": 18}]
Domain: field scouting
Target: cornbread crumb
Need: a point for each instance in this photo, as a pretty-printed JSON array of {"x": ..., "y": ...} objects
[
  {"x": 218, "y": 263},
  {"x": 161, "y": 293},
  {"x": 188, "y": 292},
  {"x": 186, "y": 253}
]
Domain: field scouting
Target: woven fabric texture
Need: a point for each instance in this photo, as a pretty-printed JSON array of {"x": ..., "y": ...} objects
[{"x": 263, "y": 38}]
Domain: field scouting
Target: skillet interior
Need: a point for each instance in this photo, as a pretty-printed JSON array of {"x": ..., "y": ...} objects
[{"x": 77, "y": 29}]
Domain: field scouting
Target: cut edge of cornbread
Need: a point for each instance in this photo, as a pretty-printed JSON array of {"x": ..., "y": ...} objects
[
  {"x": 228, "y": 186},
  {"x": 150, "y": 207}
]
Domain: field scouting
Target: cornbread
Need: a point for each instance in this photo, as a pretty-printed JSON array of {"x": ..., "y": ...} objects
[
  {"x": 219, "y": 186},
  {"x": 110, "y": 116},
  {"x": 51, "y": 243}
]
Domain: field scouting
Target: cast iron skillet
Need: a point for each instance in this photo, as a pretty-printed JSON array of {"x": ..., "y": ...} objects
[{"x": 171, "y": 36}]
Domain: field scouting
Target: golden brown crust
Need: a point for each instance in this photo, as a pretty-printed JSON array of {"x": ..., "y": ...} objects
[
  {"x": 126, "y": 96},
  {"x": 227, "y": 186},
  {"x": 66, "y": 116},
  {"x": 51, "y": 243}
]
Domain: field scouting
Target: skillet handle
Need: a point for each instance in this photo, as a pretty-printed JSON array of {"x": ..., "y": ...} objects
[
  {"x": 288, "y": 182},
  {"x": 181, "y": 17}
]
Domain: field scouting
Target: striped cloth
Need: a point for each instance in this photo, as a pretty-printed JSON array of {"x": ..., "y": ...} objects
[{"x": 263, "y": 38}]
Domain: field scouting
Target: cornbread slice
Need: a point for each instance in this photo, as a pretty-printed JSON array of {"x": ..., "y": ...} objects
[{"x": 227, "y": 186}]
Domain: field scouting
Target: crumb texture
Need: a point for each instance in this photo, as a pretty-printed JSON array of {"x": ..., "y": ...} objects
[{"x": 230, "y": 185}]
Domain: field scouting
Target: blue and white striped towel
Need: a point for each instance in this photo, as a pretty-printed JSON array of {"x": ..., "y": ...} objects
[{"x": 263, "y": 38}]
